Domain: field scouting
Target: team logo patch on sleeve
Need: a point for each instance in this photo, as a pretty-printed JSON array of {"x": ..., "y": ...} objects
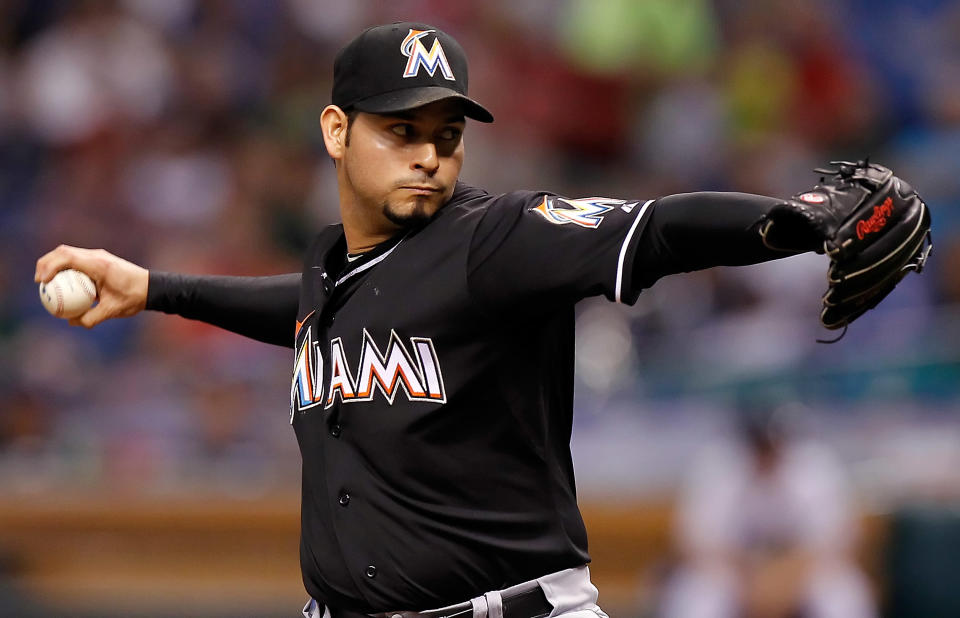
[{"x": 586, "y": 212}]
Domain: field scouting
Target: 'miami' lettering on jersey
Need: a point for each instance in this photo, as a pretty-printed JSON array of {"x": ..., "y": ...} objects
[
  {"x": 340, "y": 379},
  {"x": 306, "y": 389},
  {"x": 418, "y": 374},
  {"x": 413, "y": 369},
  {"x": 585, "y": 212}
]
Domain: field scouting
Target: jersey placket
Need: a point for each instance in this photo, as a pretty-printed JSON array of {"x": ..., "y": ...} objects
[{"x": 347, "y": 502}]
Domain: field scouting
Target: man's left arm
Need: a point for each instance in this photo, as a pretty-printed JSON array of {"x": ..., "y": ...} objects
[
  {"x": 533, "y": 251},
  {"x": 537, "y": 251},
  {"x": 873, "y": 226},
  {"x": 692, "y": 231}
]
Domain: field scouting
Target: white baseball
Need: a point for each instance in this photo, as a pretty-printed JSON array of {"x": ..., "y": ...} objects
[{"x": 69, "y": 294}]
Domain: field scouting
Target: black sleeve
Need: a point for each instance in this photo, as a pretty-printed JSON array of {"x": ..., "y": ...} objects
[
  {"x": 692, "y": 231},
  {"x": 533, "y": 251},
  {"x": 262, "y": 308}
]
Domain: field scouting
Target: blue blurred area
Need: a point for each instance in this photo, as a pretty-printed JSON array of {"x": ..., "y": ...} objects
[{"x": 182, "y": 135}]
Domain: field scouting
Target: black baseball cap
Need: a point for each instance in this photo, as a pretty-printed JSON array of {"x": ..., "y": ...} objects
[{"x": 402, "y": 66}]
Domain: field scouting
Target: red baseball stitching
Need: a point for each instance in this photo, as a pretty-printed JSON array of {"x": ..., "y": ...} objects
[
  {"x": 86, "y": 286},
  {"x": 59, "y": 299}
]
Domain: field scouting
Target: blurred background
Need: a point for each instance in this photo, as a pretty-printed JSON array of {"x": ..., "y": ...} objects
[{"x": 727, "y": 463}]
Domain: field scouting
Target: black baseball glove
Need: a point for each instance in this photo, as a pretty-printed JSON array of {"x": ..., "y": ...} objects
[{"x": 872, "y": 225}]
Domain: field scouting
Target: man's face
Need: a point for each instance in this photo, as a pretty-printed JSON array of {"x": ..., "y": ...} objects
[{"x": 401, "y": 168}]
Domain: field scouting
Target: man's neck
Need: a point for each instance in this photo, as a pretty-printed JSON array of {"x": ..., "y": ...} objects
[
  {"x": 360, "y": 235},
  {"x": 364, "y": 243},
  {"x": 362, "y": 230}
]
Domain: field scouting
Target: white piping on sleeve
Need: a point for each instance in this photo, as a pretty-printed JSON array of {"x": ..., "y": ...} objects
[{"x": 623, "y": 250}]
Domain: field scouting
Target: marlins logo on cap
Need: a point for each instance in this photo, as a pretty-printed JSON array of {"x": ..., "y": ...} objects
[
  {"x": 413, "y": 48},
  {"x": 370, "y": 76}
]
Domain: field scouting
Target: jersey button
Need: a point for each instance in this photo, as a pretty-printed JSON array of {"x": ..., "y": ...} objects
[
  {"x": 371, "y": 571},
  {"x": 344, "y": 499},
  {"x": 335, "y": 431}
]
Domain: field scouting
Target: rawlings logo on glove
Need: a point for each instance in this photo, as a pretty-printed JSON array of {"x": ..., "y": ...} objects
[
  {"x": 877, "y": 220},
  {"x": 872, "y": 225}
]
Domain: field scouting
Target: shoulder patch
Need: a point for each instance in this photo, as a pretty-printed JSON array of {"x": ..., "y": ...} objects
[{"x": 586, "y": 211}]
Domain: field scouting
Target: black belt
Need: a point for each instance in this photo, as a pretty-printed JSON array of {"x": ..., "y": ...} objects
[{"x": 527, "y": 604}]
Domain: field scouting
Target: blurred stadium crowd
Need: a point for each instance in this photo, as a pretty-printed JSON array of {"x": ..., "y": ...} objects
[{"x": 182, "y": 135}]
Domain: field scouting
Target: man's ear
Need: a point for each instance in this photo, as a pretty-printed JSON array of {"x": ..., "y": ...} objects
[{"x": 333, "y": 123}]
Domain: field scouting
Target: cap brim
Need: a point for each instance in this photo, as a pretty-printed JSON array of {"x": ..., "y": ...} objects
[{"x": 412, "y": 98}]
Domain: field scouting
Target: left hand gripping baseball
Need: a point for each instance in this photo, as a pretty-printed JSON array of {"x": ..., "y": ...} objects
[{"x": 874, "y": 227}]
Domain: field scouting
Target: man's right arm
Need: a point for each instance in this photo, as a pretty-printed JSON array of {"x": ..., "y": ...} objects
[{"x": 262, "y": 308}]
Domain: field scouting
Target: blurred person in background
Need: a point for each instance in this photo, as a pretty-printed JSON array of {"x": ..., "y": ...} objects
[{"x": 765, "y": 526}]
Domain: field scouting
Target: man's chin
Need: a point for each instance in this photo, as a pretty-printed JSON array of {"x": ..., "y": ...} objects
[{"x": 409, "y": 215}]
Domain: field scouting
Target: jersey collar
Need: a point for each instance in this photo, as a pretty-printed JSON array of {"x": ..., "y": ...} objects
[{"x": 371, "y": 258}]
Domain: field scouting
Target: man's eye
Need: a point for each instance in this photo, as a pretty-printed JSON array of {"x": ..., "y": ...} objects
[
  {"x": 450, "y": 134},
  {"x": 403, "y": 130}
]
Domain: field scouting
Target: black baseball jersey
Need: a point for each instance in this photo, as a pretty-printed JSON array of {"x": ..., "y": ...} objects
[
  {"x": 433, "y": 380},
  {"x": 432, "y": 397}
]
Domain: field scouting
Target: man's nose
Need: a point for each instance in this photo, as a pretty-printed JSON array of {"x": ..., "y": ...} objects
[{"x": 426, "y": 158}]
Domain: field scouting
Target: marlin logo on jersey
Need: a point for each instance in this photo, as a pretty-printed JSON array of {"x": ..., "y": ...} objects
[
  {"x": 306, "y": 388},
  {"x": 415, "y": 370},
  {"x": 586, "y": 212},
  {"x": 413, "y": 48}
]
